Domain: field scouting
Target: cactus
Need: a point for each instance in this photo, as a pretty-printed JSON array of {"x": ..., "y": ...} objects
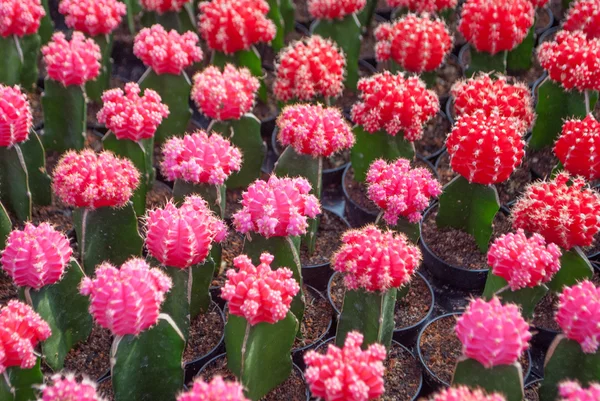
[
  {"x": 463, "y": 393},
  {"x": 66, "y": 387},
  {"x": 573, "y": 391},
  {"x": 171, "y": 14},
  {"x": 584, "y": 16},
  {"x": 216, "y": 390},
  {"x": 376, "y": 264},
  {"x": 577, "y": 147},
  {"x": 419, "y": 6},
  {"x": 5, "y": 226}
]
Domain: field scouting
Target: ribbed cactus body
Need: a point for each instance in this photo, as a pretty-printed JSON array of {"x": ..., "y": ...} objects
[
  {"x": 579, "y": 315},
  {"x": 578, "y": 147}
]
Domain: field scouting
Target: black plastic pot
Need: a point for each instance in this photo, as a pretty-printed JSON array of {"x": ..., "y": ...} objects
[
  {"x": 542, "y": 338},
  {"x": 540, "y": 31}
]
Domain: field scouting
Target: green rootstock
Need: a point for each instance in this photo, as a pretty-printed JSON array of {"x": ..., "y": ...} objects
[
  {"x": 133, "y": 8},
  {"x": 486, "y": 62},
  {"x": 276, "y": 16},
  {"x": 504, "y": 379},
  {"x": 521, "y": 57},
  {"x": 366, "y": 15},
  {"x": 35, "y": 159},
  {"x": 95, "y": 88},
  {"x": 30, "y": 46},
  {"x": 574, "y": 267},
  {"x": 47, "y": 25},
  {"x": 12, "y": 60},
  {"x": 244, "y": 58},
  {"x": 5, "y": 226},
  {"x": 288, "y": 13},
  {"x": 527, "y": 298},
  {"x": 14, "y": 183},
  {"x": 403, "y": 226},
  {"x": 181, "y": 21},
  {"x": 21, "y": 384}
]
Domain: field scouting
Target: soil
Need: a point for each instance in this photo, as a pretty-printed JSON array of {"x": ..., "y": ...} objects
[
  {"x": 434, "y": 136},
  {"x": 594, "y": 249},
  {"x": 541, "y": 161},
  {"x": 265, "y": 111},
  {"x": 92, "y": 357},
  {"x": 350, "y": 97},
  {"x": 316, "y": 320},
  {"x": 8, "y": 290},
  {"x": 57, "y": 214},
  {"x": 205, "y": 333},
  {"x": 367, "y": 48},
  {"x": 447, "y": 74},
  {"x": 233, "y": 199},
  {"x": 532, "y": 392},
  {"x": 158, "y": 195},
  {"x": 302, "y": 14},
  {"x": 105, "y": 390},
  {"x": 35, "y": 100},
  {"x": 402, "y": 375},
  {"x": 328, "y": 240},
  {"x": 543, "y": 315}
]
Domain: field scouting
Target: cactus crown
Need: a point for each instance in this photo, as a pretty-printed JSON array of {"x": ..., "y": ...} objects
[
  {"x": 229, "y": 26},
  {"x": 92, "y": 17},
  {"x": 572, "y": 391},
  {"x": 584, "y": 15},
  {"x": 401, "y": 191},
  {"x": 578, "y": 147},
  {"x": 309, "y": 68},
  {"x": 182, "y": 237},
  {"x": 491, "y": 333},
  {"x": 562, "y": 210},
  {"x": 279, "y": 207},
  {"x": 347, "y": 373},
  {"x": 376, "y": 260},
  {"x": 16, "y": 119},
  {"x": 20, "y": 17},
  {"x": 423, "y": 6},
  {"x": 314, "y": 130},
  {"x": 226, "y": 95},
  {"x": 73, "y": 62},
  {"x": 334, "y": 9},
  {"x": 394, "y": 103},
  {"x": 163, "y": 6},
  {"x": 67, "y": 388},
  {"x": 417, "y": 44},
  {"x": 463, "y": 393},
  {"x": 131, "y": 116},
  {"x": 216, "y": 390},
  {"x": 258, "y": 293},
  {"x": 579, "y": 315}
]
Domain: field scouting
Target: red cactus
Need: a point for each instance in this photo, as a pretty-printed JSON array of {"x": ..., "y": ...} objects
[
  {"x": 20, "y": 17},
  {"x": 584, "y": 15},
  {"x": 463, "y": 393},
  {"x": 229, "y": 26},
  {"x": 226, "y": 95},
  {"x": 562, "y": 210},
  {"x": 258, "y": 293},
  {"x": 93, "y": 17},
  {"x": 166, "y": 52},
  {"x": 330, "y": 9},
  {"x": 91, "y": 180},
  {"x": 66, "y": 388},
  {"x": 417, "y": 44},
  {"x": 309, "y": 68},
  {"x": 182, "y": 237},
  {"x": 216, "y": 390},
  {"x": 163, "y": 6},
  {"x": 394, "y": 103},
  {"x": 578, "y": 147},
  {"x": 572, "y": 391},
  {"x": 539, "y": 3},
  {"x": 16, "y": 119},
  {"x": 423, "y": 6},
  {"x": 72, "y": 62},
  {"x": 579, "y": 315}
]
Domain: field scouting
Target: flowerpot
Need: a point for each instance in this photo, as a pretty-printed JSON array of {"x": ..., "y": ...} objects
[
  {"x": 91, "y": 357},
  {"x": 433, "y": 142},
  {"x": 544, "y": 13},
  {"x": 544, "y": 326},
  {"x": 532, "y": 390}
]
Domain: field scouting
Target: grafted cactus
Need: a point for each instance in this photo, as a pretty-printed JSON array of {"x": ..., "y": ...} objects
[
  {"x": 463, "y": 393},
  {"x": 67, "y": 387},
  {"x": 573, "y": 391},
  {"x": 171, "y": 14},
  {"x": 428, "y": 6},
  {"x": 584, "y": 15},
  {"x": 578, "y": 147},
  {"x": 215, "y": 390}
]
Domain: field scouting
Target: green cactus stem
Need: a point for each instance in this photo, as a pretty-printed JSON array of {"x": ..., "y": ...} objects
[
  {"x": 288, "y": 14},
  {"x": 276, "y": 16},
  {"x": 5, "y": 226},
  {"x": 95, "y": 88},
  {"x": 18, "y": 384},
  {"x": 30, "y": 46},
  {"x": 47, "y": 25},
  {"x": 574, "y": 267},
  {"x": 527, "y": 298},
  {"x": 520, "y": 58},
  {"x": 403, "y": 226},
  {"x": 365, "y": 17},
  {"x": 504, "y": 379},
  {"x": 12, "y": 60},
  {"x": 35, "y": 160},
  {"x": 244, "y": 58},
  {"x": 486, "y": 62},
  {"x": 14, "y": 183},
  {"x": 133, "y": 9},
  {"x": 429, "y": 77}
]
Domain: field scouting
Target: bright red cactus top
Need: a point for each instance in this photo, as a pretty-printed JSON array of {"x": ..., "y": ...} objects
[
  {"x": 93, "y": 17},
  {"x": 226, "y": 95},
  {"x": 486, "y": 149},
  {"x": 334, "y": 9},
  {"x": 16, "y": 119},
  {"x": 314, "y": 130},
  {"x": 394, "y": 103},
  {"x": 572, "y": 391},
  {"x": 493, "y": 26},
  {"x": 200, "y": 159},
  {"x": 579, "y": 315},
  {"x": 423, "y": 6},
  {"x": 310, "y": 68},
  {"x": 584, "y": 15},
  {"x": 73, "y": 62},
  {"x": 563, "y": 211},
  {"x": 376, "y": 260},
  {"x": 67, "y": 388},
  {"x": 347, "y": 373},
  {"x": 126, "y": 300},
  {"x": 92, "y": 180},
  {"x": 401, "y": 191},
  {"x": 182, "y": 237},
  {"x": 279, "y": 207},
  {"x": 131, "y": 116},
  {"x": 36, "y": 256},
  {"x": 578, "y": 147},
  {"x": 463, "y": 393},
  {"x": 258, "y": 293},
  {"x": 20, "y": 17},
  {"x": 163, "y": 6},
  {"x": 21, "y": 329},
  {"x": 216, "y": 390},
  {"x": 229, "y": 26},
  {"x": 417, "y": 44},
  {"x": 523, "y": 262},
  {"x": 166, "y": 52}
]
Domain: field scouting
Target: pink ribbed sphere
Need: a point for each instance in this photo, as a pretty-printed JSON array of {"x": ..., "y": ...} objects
[
  {"x": 20, "y": 17},
  {"x": 579, "y": 315},
  {"x": 73, "y": 62},
  {"x": 93, "y": 17},
  {"x": 67, "y": 388},
  {"x": 215, "y": 390},
  {"x": 573, "y": 391},
  {"x": 16, "y": 119},
  {"x": 463, "y": 393}
]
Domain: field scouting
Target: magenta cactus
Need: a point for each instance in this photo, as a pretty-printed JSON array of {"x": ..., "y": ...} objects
[
  {"x": 93, "y": 17},
  {"x": 67, "y": 388},
  {"x": 15, "y": 118},
  {"x": 579, "y": 315},
  {"x": 463, "y": 393},
  {"x": 73, "y": 62},
  {"x": 20, "y": 17},
  {"x": 216, "y": 390},
  {"x": 573, "y": 391}
]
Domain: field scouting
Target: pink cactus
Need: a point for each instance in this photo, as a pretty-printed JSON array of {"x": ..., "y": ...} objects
[
  {"x": 21, "y": 329},
  {"x": 163, "y": 6},
  {"x": 258, "y": 293},
  {"x": 395, "y": 104},
  {"x": 584, "y": 15},
  {"x": 200, "y": 159},
  {"x": 562, "y": 210},
  {"x": 20, "y": 17},
  {"x": 578, "y": 147},
  {"x": 131, "y": 116},
  {"x": 166, "y": 52},
  {"x": 279, "y": 207},
  {"x": 182, "y": 237},
  {"x": 424, "y": 6},
  {"x": 347, "y": 373},
  {"x": 73, "y": 62},
  {"x": 376, "y": 260},
  {"x": 309, "y": 68},
  {"x": 572, "y": 391},
  {"x": 334, "y": 9},
  {"x": 226, "y": 95},
  {"x": 491, "y": 333},
  {"x": 229, "y": 26},
  {"x": 126, "y": 300},
  {"x": 16, "y": 119},
  {"x": 314, "y": 130},
  {"x": 579, "y": 315},
  {"x": 93, "y": 17},
  {"x": 92, "y": 180},
  {"x": 463, "y": 393},
  {"x": 401, "y": 191},
  {"x": 67, "y": 388},
  {"x": 216, "y": 390}
]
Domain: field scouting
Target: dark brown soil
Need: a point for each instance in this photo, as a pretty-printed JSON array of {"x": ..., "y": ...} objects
[
  {"x": 8, "y": 290},
  {"x": 105, "y": 390},
  {"x": 57, "y": 214},
  {"x": 532, "y": 392},
  {"x": 543, "y": 315},
  {"x": 594, "y": 249},
  {"x": 329, "y": 234},
  {"x": 92, "y": 357},
  {"x": 316, "y": 320},
  {"x": 447, "y": 74},
  {"x": 434, "y": 136},
  {"x": 35, "y": 100},
  {"x": 233, "y": 199},
  {"x": 541, "y": 161},
  {"x": 158, "y": 195},
  {"x": 357, "y": 191},
  {"x": 367, "y": 48},
  {"x": 402, "y": 375},
  {"x": 205, "y": 333},
  {"x": 350, "y": 97},
  {"x": 302, "y": 14},
  {"x": 542, "y": 19}
]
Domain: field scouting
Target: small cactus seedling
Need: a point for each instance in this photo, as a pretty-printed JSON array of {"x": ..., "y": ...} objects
[
  {"x": 573, "y": 391},
  {"x": 376, "y": 265},
  {"x": 463, "y": 393},
  {"x": 215, "y": 390},
  {"x": 260, "y": 329},
  {"x": 584, "y": 15},
  {"x": 171, "y": 14},
  {"x": 578, "y": 147},
  {"x": 493, "y": 337},
  {"x": 67, "y": 388},
  {"x": 346, "y": 373}
]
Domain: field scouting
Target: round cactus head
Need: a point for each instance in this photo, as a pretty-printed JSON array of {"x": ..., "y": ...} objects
[
  {"x": 126, "y": 300},
  {"x": 93, "y": 17},
  {"x": 334, "y": 9},
  {"x": 258, "y": 293},
  {"x": 572, "y": 391},
  {"x": 463, "y": 393},
  {"x": 131, "y": 116},
  {"x": 401, "y": 191},
  {"x": 21, "y": 329},
  {"x": 166, "y": 52},
  {"x": 579, "y": 315},
  {"x": 562, "y": 210},
  {"x": 20, "y": 17},
  {"x": 584, "y": 15},
  {"x": 347, "y": 373},
  {"x": 424, "y": 6},
  {"x": 73, "y": 62},
  {"x": 309, "y": 68},
  {"x": 375, "y": 260},
  {"x": 67, "y": 388},
  {"x": 182, "y": 237},
  {"x": 163, "y": 6},
  {"x": 578, "y": 147},
  {"x": 16, "y": 119},
  {"x": 395, "y": 104},
  {"x": 279, "y": 207},
  {"x": 215, "y": 390}
]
